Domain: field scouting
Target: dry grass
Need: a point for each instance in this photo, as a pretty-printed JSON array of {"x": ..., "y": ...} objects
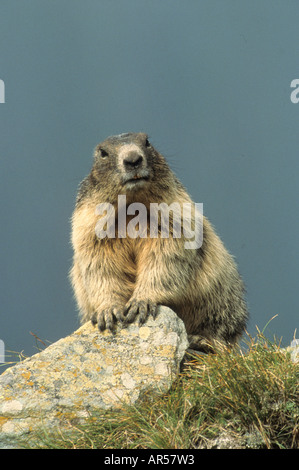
[{"x": 249, "y": 400}]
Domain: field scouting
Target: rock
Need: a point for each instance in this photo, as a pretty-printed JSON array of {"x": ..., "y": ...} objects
[
  {"x": 225, "y": 440},
  {"x": 295, "y": 350},
  {"x": 230, "y": 440},
  {"x": 88, "y": 371}
]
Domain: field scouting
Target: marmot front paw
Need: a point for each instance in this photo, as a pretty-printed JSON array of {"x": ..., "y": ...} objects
[
  {"x": 107, "y": 318},
  {"x": 142, "y": 308}
]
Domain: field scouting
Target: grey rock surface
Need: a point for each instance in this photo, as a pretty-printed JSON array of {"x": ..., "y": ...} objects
[{"x": 88, "y": 371}]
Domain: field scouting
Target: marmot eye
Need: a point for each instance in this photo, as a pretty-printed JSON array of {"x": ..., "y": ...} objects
[
  {"x": 103, "y": 153},
  {"x": 147, "y": 144}
]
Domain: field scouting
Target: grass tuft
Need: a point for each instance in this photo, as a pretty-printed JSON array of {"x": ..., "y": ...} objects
[{"x": 229, "y": 399}]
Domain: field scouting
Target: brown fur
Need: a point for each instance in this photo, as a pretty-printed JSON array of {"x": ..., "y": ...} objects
[{"x": 115, "y": 279}]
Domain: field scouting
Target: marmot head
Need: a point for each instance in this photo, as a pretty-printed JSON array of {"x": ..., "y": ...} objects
[{"x": 129, "y": 164}]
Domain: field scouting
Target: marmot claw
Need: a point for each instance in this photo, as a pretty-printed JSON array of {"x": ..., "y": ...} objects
[
  {"x": 142, "y": 308},
  {"x": 108, "y": 318}
]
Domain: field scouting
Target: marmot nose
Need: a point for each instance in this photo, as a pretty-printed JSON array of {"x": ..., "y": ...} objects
[{"x": 133, "y": 160}]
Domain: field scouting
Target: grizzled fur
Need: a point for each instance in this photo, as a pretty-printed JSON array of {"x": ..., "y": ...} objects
[{"x": 117, "y": 279}]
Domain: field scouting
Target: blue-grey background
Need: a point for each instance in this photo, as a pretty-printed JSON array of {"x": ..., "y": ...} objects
[{"x": 208, "y": 80}]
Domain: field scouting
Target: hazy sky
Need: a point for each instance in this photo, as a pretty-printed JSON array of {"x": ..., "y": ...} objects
[{"x": 209, "y": 81}]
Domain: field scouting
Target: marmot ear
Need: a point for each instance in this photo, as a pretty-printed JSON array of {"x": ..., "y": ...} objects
[{"x": 147, "y": 143}]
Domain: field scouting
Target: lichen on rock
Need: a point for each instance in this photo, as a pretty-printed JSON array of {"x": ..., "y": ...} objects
[{"x": 88, "y": 371}]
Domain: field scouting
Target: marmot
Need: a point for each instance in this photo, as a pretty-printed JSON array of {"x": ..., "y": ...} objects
[{"x": 117, "y": 279}]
